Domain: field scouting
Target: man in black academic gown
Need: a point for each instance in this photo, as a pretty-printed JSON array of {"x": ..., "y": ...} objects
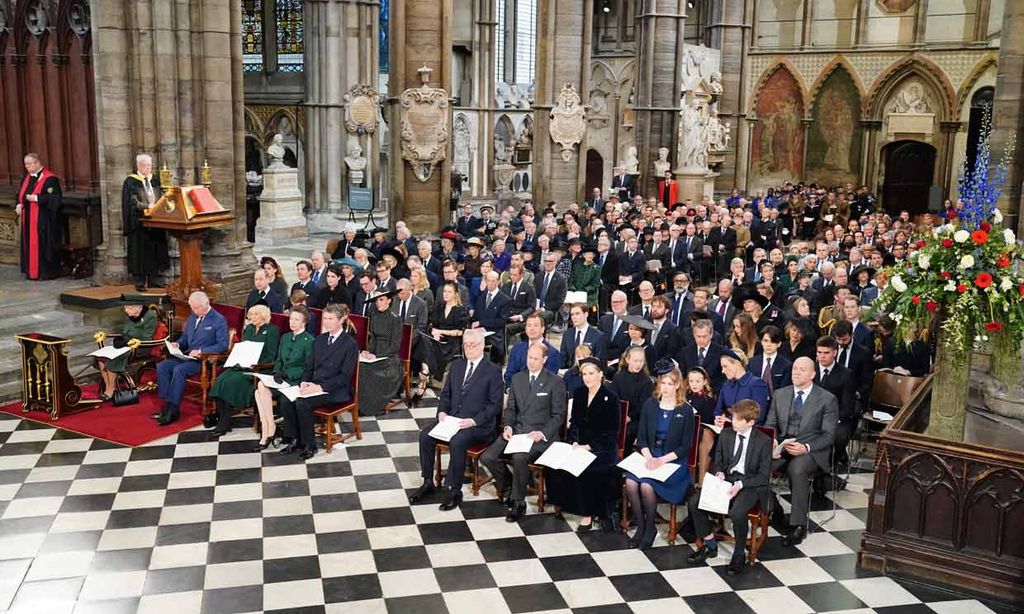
[
  {"x": 146, "y": 247},
  {"x": 38, "y": 207}
]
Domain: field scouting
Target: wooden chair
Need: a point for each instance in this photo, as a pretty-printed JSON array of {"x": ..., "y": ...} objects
[
  {"x": 691, "y": 466},
  {"x": 538, "y": 470},
  {"x": 362, "y": 326},
  {"x": 405, "y": 355},
  {"x": 210, "y": 363},
  {"x": 330, "y": 413},
  {"x": 473, "y": 454}
]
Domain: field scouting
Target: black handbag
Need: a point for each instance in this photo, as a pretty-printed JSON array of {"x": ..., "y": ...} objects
[{"x": 128, "y": 395}]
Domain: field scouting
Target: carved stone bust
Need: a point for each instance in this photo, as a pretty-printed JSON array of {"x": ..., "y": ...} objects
[
  {"x": 356, "y": 163},
  {"x": 662, "y": 164},
  {"x": 632, "y": 163},
  {"x": 276, "y": 153}
]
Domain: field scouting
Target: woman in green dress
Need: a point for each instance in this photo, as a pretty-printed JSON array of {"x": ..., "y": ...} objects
[
  {"x": 233, "y": 389},
  {"x": 140, "y": 323},
  {"x": 586, "y": 276},
  {"x": 295, "y": 347}
]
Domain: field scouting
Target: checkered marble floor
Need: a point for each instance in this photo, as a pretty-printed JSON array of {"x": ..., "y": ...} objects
[{"x": 187, "y": 525}]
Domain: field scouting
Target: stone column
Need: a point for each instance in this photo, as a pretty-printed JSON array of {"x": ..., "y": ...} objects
[
  {"x": 341, "y": 51},
  {"x": 563, "y": 56},
  {"x": 1008, "y": 112},
  {"x": 169, "y": 82},
  {"x": 869, "y": 169},
  {"x": 658, "y": 84},
  {"x": 730, "y": 32},
  {"x": 420, "y": 35}
]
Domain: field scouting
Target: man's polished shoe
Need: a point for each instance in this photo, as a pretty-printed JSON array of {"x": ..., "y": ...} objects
[
  {"x": 157, "y": 416},
  {"x": 425, "y": 490},
  {"x": 307, "y": 454},
  {"x": 515, "y": 512},
  {"x": 218, "y": 433},
  {"x": 795, "y": 536},
  {"x": 736, "y": 566},
  {"x": 452, "y": 500},
  {"x": 168, "y": 419},
  {"x": 705, "y": 553},
  {"x": 290, "y": 448},
  {"x": 505, "y": 497}
]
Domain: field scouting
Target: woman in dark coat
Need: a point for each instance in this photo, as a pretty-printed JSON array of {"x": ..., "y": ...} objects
[
  {"x": 277, "y": 281},
  {"x": 449, "y": 319},
  {"x": 594, "y": 426},
  {"x": 380, "y": 368},
  {"x": 335, "y": 292},
  {"x": 233, "y": 389},
  {"x": 294, "y": 348},
  {"x": 632, "y": 383},
  {"x": 740, "y": 384},
  {"x": 665, "y": 436},
  {"x": 799, "y": 341}
]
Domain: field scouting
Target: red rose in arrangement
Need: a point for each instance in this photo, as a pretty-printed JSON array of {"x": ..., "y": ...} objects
[
  {"x": 979, "y": 237},
  {"x": 983, "y": 280},
  {"x": 986, "y": 226},
  {"x": 947, "y": 243},
  {"x": 951, "y": 214},
  {"x": 961, "y": 288},
  {"x": 993, "y": 327},
  {"x": 915, "y": 299},
  {"x": 931, "y": 306},
  {"x": 1022, "y": 289},
  {"x": 944, "y": 275},
  {"x": 1003, "y": 261},
  {"x": 920, "y": 244}
]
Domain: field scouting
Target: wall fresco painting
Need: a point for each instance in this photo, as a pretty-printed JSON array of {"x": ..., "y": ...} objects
[
  {"x": 777, "y": 151},
  {"x": 834, "y": 140}
]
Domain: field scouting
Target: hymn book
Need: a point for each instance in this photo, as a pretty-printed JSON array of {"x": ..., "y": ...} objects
[{"x": 561, "y": 455}]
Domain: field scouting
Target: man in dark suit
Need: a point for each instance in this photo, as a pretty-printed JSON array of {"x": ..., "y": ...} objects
[
  {"x": 523, "y": 302},
  {"x": 329, "y": 370},
  {"x": 534, "y": 336},
  {"x": 608, "y": 260},
  {"x": 722, "y": 304},
  {"x": 701, "y": 299},
  {"x": 616, "y": 330},
  {"x": 835, "y": 378},
  {"x": 657, "y": 249},
  {"x": 862, "y": 333},
  {"x": 472, "y": 394},
  {"x": 632, "y": 263},
  {"x": 665, "y": 336},
  {"x": 361, "y": 305},
  {"x": 743, "y": 457},
  {"x": 551, "y": 288},
  {"x": 580, "y": 332},
  {"x": 722, "y": 240},
  {"x": 806, "y": 413},
  {"x": 535, "y": 407},
  {"x": 204, "y": 332},
  {"x": 263, "y": 292},
  {"x": 704, "y": 353},
  {"x": 468, "y": 223},
  {"x": 432, "y": 263},
  {"x": 491, "y": 312},
  {"x": 304, "y": 271},
  {"x": 622, "y": 184},
  {"x": 693, "y": 249},
  {"x": 319, "y": 271},
  {"x": 410, "y": 308},
  {"x": 681, "y": 299}
]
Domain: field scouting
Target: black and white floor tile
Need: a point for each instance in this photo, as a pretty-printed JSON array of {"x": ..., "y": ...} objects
[{"x": 188, "y": 525}]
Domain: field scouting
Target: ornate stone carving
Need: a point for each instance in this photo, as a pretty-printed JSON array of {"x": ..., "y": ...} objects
[
  {"x": 513, "y": 96},
  {"x": 276, "y": 152},
  {"x": 36, "y": 19},
  {"x": 425, "y": 126},
  {"x": 568, "y": 121},
  {"x": 701, "y": 66},
  {"x": 463, "y": 146},
  {"x": 662, "y": 164},
  {"x": 911, "y": 99},
  {"x": 631, "y": 163},
  {"x": 356, "y": 163},
  {"x": 361, "y": 109},
  {"x": 718, "y": 132}
]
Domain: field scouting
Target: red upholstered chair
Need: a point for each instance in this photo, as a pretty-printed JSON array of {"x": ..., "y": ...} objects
[
  {"x": 362, "y": 326},
  {"x": 330, "y": 412},
  {"x": 280, "y": 320},
  {"x": 473, "y": 454}
]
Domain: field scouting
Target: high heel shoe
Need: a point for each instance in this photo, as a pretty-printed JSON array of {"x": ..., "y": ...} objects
[{"x": 261, "y": 446}]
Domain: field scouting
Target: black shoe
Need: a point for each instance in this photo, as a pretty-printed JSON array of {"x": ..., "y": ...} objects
[
  {"x": 307, "y": 454},
  {"x": 795, "y": 536},
  {"x": 736, "y": 566},
  {"x": 705, "y": 553},
  {"x": 217, "y": 433},
  {"x": 260, "y": 447},
  {"x": 424, "y": 491},
  {"x": 515, "y": 512},
  {"x": 157, "y": 416},
  {"x": 169, "y": 419},
  {"x": 452, "y": 500},
  {"x": 585, "y": 528},
  {"x": 290, "y": 448},
  {"x": 505, "y": 498}
]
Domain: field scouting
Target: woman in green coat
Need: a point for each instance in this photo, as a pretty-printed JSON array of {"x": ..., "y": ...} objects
[
  {"x": 233, "y": 389},
  {"x": 139, "y": 323},
  {"x": 586, "y": 276},
  {"x": 296, "y": 346}
]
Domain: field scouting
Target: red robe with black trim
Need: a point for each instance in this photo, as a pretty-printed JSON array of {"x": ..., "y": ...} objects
[
  {"x": 673, "y": 193},
  {"x": 41, "y": 233}
]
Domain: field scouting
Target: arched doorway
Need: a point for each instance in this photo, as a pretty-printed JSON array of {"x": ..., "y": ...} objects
[
  {"x": 595, "y": 173},
  {"x": 909, "y": 172}
]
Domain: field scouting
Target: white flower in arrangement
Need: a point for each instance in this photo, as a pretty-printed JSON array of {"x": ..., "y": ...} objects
[
  {"x": 898, "y": 284},
  {"x": 896, "y": 317},
  {"x": 967, "y": 262},
  {"x": 950, "y": 286},
  {"x": 961, "y": 236},
  {"x": 1006, "y": 284},
  {"x": 924, "y": 261},
  {"x": 1009, "y": 237},
  {"x": 997, "y": 216}
]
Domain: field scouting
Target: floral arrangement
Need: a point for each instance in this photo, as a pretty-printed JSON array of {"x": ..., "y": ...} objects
[{"x": 968, "y": 272}]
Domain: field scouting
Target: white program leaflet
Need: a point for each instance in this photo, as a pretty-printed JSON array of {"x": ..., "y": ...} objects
[
  {"x": 446, "y": 429},
  {"x": 173, "y": 349},
  {"x": 110, "y": 352},
  {"x": 714, "y": 495},
  {"x": 518, "y": 444},
  {"x": 293, "y": 392},
  {"x": 561, "y": 455},
  {"x": 635, "y": 464},
  {"x": 244, "y": 354}
]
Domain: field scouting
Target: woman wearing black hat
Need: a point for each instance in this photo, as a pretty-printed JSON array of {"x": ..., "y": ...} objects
[
  {"x": 139, "y": 323},
  {"x": 594, "y": 426},
  {"x": 380, "y": 369}
]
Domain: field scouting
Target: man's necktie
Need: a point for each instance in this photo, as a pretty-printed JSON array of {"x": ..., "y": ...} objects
[
  {"x": 579, "y": 338},
  {"x": 603, "y": 257},
  {"x": 199, "y": 321},
  {"x": 330, "y": 340},
  {"x": 722, "y": 306},
  {"x": 403, "y": 310},
  {"x": 533, "y": 380},
  {"x": 469, "y": 374},
  {"x": 615, "y": 325},
  {"x": 700, "y": 357},
  {"x": 672, "y": 253},
  {"x": 544, "y": 289},
  {"x": 647, "y": 312},
  {"x": 842, "y": 356},
  {"x": 798, "y": 402},
  {"x": 487, "y": 301},
  {"x": 366, "y": 305},
  {"x": 515, "y": 291},
  {"x": 263, "y": 294},
  {"x": 824, "y": 374},
  {"x": 654, "y": 333},
  {"x": 738, "y": 452},
  {"x": 766, "y": 375}
]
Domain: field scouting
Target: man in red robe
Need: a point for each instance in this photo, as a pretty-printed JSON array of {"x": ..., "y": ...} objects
[
  {"x": 38, "y": 208},
  {"x": 668, "y": 190}
]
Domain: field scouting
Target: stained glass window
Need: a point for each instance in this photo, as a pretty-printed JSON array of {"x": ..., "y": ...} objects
[
  {"x": 526, "y": 48},
  {"x": 289, "y": 35},
  {"x": 252, "y": 35},
  {"x": 385, "y": 10}
]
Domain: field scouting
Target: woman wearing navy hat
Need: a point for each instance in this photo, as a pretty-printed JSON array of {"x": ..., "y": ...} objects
[{"x": 739, "y": 384}]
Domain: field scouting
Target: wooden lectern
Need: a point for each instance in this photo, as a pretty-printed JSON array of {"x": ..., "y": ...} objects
[
  {"x": 186, "y": 213},
  {"x": 46, "y": 383}
]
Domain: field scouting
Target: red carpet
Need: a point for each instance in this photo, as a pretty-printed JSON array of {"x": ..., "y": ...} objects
[{"x": 129, "y": 425}]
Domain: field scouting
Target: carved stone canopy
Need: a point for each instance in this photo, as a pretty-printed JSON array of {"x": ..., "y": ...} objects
[
  {"x": 426, "y": 126},
  {"x": 361, "y": 109},
  {"x": 568, "y": 121}
]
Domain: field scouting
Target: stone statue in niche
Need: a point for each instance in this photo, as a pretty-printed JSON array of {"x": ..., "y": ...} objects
[
  {"x": 276, "y": 152},
  {"x": 502, "y": 152},
  {"x": 715, "y": 83},
  {"x": 568, "y": 121},
  {"x": 463, "y": 144},
  {"x": 718, "y": 132},
  {"x": 911, "y": 99},
  {"x": 662, "y": 164},
  {"x": 694, "y": 134},
  {"x": 632, "y": 163},
  {"x": 356, "y": 163}
]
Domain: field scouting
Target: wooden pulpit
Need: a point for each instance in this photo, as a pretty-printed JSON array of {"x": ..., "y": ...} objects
[
  {"x": 187, "y": 213},
  {"x": 46, "y": 383}
]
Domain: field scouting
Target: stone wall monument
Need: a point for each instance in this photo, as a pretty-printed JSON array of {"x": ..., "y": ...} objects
[{"x": 281, "y": 219}]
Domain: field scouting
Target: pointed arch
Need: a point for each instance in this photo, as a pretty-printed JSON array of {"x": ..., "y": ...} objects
[
  {"x": 898, "y": 72},
  {"x": 780, "y": 63},
  {"x": 990, "y": 60},
  {"x": 32, "y": 12},
  {"x": 839, "y": 62}
]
